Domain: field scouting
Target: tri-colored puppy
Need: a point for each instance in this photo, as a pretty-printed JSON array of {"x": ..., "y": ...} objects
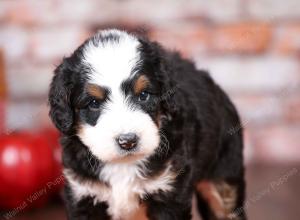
[{"x": 143, "y": 129}]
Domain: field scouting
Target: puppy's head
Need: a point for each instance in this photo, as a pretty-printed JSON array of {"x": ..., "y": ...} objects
[{"x": 111, "y": 94}]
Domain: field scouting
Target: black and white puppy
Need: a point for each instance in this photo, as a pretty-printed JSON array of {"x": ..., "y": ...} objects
[{"x": 144, "y": 130}]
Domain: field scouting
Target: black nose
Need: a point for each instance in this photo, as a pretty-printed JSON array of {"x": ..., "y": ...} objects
[{"x": 127, "y": 141}]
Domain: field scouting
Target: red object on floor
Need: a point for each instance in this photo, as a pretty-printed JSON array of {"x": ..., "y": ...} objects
[{"x": 29, "y": 169}]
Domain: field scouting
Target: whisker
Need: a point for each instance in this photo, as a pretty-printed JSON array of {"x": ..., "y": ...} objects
[{"x": 164, "y": 145}]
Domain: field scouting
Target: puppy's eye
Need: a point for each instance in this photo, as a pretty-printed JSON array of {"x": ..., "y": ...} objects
[
  {"x": 144, "y": 96},
  {"x": 94, "y": 105}
]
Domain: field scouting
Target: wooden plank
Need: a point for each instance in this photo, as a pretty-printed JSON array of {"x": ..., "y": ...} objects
[
  {"x": 2, "y": 92},
  {"x": 2, "y": 76}
]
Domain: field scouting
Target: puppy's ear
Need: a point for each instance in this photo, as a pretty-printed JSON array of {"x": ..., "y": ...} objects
[
  {"x": 160, "y": 63},
  {"x": 61, "y": 112},
  {"x": 169, "y": 89},
  {"x": 168, "y": 86}
]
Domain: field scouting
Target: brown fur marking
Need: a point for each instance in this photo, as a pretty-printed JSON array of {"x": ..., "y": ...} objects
[
  {"x": 220, "y": 196},
  {"x": 213, "y": 198},
  {"x": 140, "y": 214},
  {"x": 140, "y": 84},
  {"x": 95, "y": 91}
]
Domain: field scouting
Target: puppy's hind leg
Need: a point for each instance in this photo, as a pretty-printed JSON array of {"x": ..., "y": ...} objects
[{"x": 220, "y": 200}]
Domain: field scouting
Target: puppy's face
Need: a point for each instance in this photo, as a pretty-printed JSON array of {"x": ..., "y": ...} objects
[{"x": 111, "y": 89}]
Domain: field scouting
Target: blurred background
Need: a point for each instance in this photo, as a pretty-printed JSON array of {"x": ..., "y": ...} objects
[{"x": 251, "y": 48}]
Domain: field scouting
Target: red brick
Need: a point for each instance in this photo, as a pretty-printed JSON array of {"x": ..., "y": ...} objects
[
  {"x": 36, "y": 13},
  {"x": 4, "y": 6},
  {"x": 188, "y": 39},
  {"x": 14, "y": 42},
  {"x": 241, "y": 38},
  {"x": 3, "y": 86},
  {"x": 292, "y": 109},
  {"x": 27, "y": 12},
  {"x": 29, "y": 81},
  {"x": 210, "y": 10},
  {"x": 248, "y": 146},
  {"x": 262, "y": 109},
  {"x": 51, "y": 44},
  {"x": 258, "y": 110},
  {"x": 270, "y": 10},
  {"x": 31, "y": 115},
  {"x": 252, "y": 74},
  {"x": 21, "y": 14},
  {"x": 278, "y": 143},
  {"x": 288, "y": 40}
]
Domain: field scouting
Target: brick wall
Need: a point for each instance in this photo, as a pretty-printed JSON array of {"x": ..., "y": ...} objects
[{"x": 251, "y": 47}]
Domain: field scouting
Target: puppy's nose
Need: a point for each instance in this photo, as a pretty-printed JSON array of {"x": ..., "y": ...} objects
[{"x": 127, "y": 141}]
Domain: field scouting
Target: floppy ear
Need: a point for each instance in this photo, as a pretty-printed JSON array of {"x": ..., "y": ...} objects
[
  {"x": 159, "y": 61},
  {"x": 168, "y": 86},
  {"x": 61, "y": 112}
]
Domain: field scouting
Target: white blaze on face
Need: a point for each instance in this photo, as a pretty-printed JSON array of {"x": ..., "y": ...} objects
[{"x": 112, "y": 63}]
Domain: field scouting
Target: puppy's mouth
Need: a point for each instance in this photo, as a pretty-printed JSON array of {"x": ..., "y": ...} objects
[{"x": 128, "y": 157}]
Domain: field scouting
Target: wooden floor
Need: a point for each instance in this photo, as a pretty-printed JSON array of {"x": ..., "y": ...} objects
[{"x": 273, "y": 193}]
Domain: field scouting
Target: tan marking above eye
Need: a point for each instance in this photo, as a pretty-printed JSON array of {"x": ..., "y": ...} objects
[
  {"x": 140, "y": 84},
  {"x": 96, "y": 91}
]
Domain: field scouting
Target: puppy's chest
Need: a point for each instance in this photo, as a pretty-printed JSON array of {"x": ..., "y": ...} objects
[{"x": 124, "y": 189}]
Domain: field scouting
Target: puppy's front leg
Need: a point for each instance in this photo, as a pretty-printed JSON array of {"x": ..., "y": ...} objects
[
  {"x": 169, "y": 210},
  {"x": 84, "y": 209}
]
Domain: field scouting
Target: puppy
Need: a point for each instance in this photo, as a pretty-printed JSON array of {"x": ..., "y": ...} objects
[{"x": 143, "y": 131}]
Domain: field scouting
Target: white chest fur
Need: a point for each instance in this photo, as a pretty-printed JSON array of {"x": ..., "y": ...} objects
[{"x": 126, "y": 187}]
